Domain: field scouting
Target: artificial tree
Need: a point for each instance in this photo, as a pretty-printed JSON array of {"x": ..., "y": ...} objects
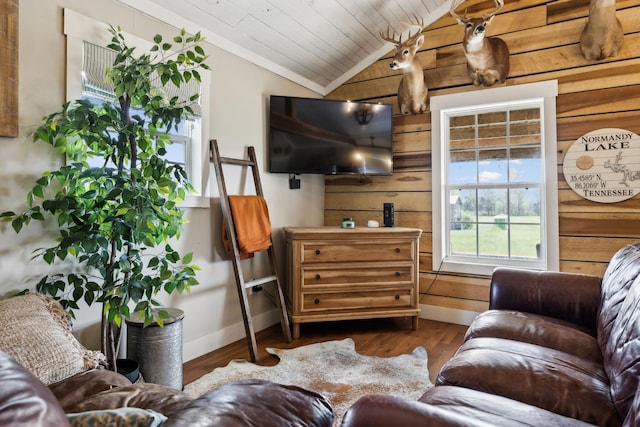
[{"x": 118, "y": 219}]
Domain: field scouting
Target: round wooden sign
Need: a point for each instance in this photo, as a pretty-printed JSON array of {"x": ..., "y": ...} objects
[{"x": 604, "y": 165}]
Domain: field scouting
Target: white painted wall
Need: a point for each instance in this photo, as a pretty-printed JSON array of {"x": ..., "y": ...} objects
[{"x": 238, "y": 106}]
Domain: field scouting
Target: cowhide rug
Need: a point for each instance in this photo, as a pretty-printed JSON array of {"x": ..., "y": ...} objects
[{"x": 332, "y": 368}]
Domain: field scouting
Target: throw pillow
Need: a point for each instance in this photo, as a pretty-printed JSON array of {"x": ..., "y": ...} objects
[
  {"x": 36, "y": 332},
  {"x": 121, "y": 417}
]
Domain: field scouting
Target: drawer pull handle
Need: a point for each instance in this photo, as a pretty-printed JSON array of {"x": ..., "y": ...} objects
[
  {"x": 316, "y": 301},
  {"x": 317, "y": 251},
  {"x": 397, "y": 274},
  {"x": 397, "y": 297},
  {"x": 397, "y": 250},
  {"x": 317, "y": 277}
]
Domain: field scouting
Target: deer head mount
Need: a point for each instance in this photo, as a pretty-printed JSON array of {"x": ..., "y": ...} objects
[
  {"x": 412, "y": 92},
  {"x": 602, "y": 35},
  {"x": 487, "y": 57}
]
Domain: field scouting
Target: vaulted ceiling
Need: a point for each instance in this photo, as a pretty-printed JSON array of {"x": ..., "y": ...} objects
[{"x": 319, "y": 44}]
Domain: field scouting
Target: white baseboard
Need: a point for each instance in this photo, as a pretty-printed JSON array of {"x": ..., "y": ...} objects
[
  {"x": 227, "y": 335},
  {"x": 449, "y": 315},
  {"x": 235, "y": 332}
]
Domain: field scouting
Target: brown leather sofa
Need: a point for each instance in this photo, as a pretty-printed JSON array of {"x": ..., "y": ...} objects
[
  {"x": 554, "y": 349},
  {"x": 102, "y": 395},
  {"x": 47, "y": 378}
]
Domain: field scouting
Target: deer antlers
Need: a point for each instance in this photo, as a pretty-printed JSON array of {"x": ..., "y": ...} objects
[
  {"x": 456, "y": 3},
  {"x": 487, "y": 57},
  {"x": 396, "y": 38},
  {"x": 412, "y": 90}
]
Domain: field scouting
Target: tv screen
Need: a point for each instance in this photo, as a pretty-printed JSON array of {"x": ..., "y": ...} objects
[{"x": 323, "y": 136}]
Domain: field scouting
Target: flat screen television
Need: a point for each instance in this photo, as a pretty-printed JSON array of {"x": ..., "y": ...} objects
[{"x": 331, "y": 137}]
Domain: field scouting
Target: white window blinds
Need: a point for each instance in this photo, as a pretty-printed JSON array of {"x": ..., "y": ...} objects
[{"x": 97, "y": 59}]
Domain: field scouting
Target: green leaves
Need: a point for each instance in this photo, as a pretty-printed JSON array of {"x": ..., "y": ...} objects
[{"x": 115, "y": 219}]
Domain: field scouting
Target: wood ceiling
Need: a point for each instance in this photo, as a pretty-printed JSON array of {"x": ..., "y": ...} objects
[{"x": 316, "y": 43}]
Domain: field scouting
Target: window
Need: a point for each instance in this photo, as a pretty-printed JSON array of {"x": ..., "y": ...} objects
[
  {"x": 87, "y": 60},
  {"x": 494, "y": 179}
]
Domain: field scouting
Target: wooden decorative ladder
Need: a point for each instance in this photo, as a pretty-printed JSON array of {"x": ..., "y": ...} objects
[{"x": 244, "y": 286}]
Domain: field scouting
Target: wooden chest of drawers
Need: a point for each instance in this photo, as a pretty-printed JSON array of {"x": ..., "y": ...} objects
[{"x": 339, "y": 274}]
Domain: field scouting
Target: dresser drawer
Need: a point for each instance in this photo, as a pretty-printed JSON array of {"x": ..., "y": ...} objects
[
  {"x": 338, "y": 274},
  {"x": 316, "y": 252},
  {"x": 335, "y": 301},
  {"x": 357, "y": 274}
]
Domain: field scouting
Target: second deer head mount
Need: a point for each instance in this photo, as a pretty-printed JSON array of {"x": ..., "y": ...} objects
[
  {"x": 602, "y": 36},
  {"x": 412, "y": 92},
  {"x": 487, "y": 57}
]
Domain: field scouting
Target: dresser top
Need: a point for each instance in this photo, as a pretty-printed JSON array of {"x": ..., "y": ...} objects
[{"x": 338, "y": 232}]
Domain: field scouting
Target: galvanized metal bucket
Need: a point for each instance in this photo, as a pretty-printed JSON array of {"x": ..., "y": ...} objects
[{"x": 157, "y": 349}]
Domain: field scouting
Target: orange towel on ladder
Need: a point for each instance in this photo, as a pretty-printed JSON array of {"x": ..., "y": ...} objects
[{"x": 253, "y": 227}]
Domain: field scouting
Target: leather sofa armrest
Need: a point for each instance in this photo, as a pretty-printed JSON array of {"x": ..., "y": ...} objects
[
  {"x": 567, "y": 296},
  {"x": 24, "y": 400},
  {"x": 255, "y": 402},
  {"x": 383, "y": 411}
]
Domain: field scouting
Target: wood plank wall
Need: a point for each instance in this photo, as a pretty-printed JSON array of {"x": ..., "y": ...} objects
[
  {"x": 543, "y": 38},
  {"x": 9, "y": 68}
]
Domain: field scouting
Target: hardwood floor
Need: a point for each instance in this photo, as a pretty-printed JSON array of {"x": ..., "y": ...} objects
[{"x": 378, "y": 337}]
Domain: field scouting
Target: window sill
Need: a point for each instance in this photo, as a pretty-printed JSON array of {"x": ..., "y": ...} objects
[
  {"x": 484, "y": 267},
  {"x": 195, "y": 202}
]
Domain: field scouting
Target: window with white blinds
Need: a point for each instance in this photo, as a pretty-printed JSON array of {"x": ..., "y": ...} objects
[
  {"x": 88, "y": 60},
  {"x": 96, "y": 60},
  {"x": 494, "y": 174}
]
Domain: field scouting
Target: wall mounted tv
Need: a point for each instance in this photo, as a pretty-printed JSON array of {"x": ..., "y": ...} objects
[{"x": 323, "y": 136}]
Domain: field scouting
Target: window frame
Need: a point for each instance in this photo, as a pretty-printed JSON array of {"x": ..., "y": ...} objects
[
  {"x": 476, "y": 101},
  {"x": 78, "y": 29}
]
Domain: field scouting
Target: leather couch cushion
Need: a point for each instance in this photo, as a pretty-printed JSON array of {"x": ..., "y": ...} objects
[
  {"x": 622, "y": 271},
  {"x": 619, "y": 326},
  {"x": 493, "y": 409},
  {"x": 381, "y": 410},
  {"x": 539, "y": 376},
  {"x": 567, "y": 296},
  {"x": 75, "y": 389},
  {"x": 633, "y": 417},
  {"x": 24, "y": 400},
  {"x": 255, "y": 403},
  {"x": 159, "y": 398},
  {"x": 623, "y": 352},
  {"x": 536, "y": 329}
]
